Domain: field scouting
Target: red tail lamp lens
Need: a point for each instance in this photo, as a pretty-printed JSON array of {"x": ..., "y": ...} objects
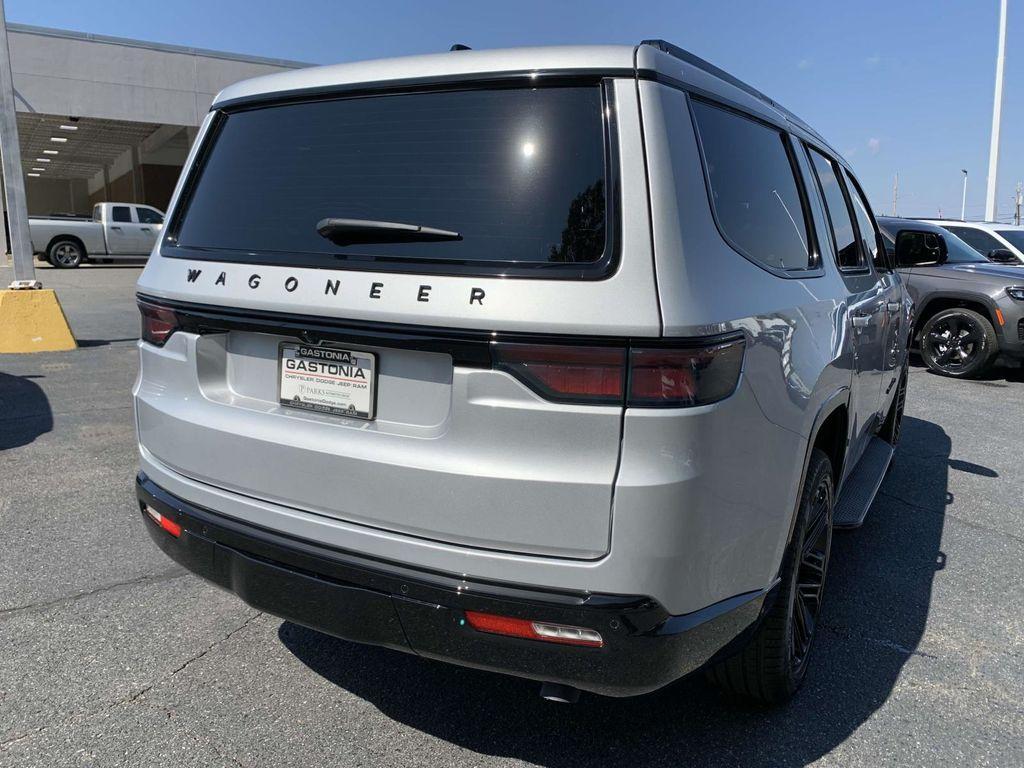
[
  {"x": 158, "y": 323},
  {"x": 510, "y": 626},
  {"x": 164, "y": 522},
  {"x": 567, "y": 374},
  {"x": 685, "y": 377}
]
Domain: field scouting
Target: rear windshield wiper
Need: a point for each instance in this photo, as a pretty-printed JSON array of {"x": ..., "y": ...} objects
[{"x": 356, "y": 231}]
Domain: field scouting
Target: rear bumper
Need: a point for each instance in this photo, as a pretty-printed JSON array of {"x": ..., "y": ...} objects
[{"x": 387, "y": 604}]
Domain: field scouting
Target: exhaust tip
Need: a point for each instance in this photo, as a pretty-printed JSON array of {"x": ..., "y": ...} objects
[{"x": 562, "y": 694}]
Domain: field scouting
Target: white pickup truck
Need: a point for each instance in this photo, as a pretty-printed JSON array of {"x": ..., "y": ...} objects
[{"x": 115, "y": 231}]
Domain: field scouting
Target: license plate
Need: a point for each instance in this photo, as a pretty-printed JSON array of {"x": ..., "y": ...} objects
[{"x": 341, "y": 382}]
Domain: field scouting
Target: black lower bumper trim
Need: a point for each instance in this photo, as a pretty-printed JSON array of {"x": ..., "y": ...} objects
[{"x": 349, "y": 596}]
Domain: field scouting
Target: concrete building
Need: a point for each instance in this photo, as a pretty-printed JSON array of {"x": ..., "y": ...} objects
[{"x": 107, "y": 118}]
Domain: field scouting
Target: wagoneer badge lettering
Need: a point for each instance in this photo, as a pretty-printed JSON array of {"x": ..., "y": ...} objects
[{"x": 332, "y": 286}]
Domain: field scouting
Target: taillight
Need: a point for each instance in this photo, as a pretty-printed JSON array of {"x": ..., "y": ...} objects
[
  {"x": 566, "y": 374},
  {"x": 670, "y": 376},
  {"x": 158, "y": 323},
  {"x": 510, "y": 626},
  {"x": 684, "y": 377}
]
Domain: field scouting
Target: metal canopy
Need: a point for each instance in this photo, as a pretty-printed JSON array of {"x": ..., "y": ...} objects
[{"x": 94, "y": 145}]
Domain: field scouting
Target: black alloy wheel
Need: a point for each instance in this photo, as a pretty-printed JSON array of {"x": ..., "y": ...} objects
[
  {"x": 810, "y": 579},
  {"x": 893, "y": 424},
  {"x": 958, "y": 342}
]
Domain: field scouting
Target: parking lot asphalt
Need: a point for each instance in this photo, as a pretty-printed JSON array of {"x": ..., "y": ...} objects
[{"x": 112, "y": 655}]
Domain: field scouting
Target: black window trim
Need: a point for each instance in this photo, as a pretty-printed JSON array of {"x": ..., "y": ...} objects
[
  {"x": 600, "y": 269},
  {"x": 814, "y": 258},
  {"x": 837, "y": 168}
]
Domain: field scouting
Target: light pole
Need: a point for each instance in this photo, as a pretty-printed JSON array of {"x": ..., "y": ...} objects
[
  {"x": 997, "y": 109},
  {"x": 963, "y": 202},
  {"x": 10, "y": 156}
]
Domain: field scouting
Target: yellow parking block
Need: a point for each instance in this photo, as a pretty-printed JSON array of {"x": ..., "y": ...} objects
[{"x": 33, "y": 321}]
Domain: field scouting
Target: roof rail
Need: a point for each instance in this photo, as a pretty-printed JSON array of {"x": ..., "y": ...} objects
[{"x": 706, "y": 66}]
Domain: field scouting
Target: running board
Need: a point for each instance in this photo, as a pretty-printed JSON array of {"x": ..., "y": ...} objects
[{"x": 861, "y": 486}]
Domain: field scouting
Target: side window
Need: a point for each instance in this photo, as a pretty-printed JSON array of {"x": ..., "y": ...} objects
[
  {"x": 148, "y": 216},
  {"x": 865, "y": 224},
  {"x": 979, "y": 240},
  {"x": 121, "y": 213},
  {"x": 96, "y": 212},
  {"x": 753, "y": 188},
  {"x": 844, "y": 237}
]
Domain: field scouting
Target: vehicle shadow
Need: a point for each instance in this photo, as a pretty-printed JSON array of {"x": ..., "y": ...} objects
[
  {"x": 25, "y": 412},
  {"x": 876, "y": 607}
]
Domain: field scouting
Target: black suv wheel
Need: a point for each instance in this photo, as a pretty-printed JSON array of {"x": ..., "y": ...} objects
[
  {"x": 958, "y": 342},
  {"x": 773, "y": 665}
]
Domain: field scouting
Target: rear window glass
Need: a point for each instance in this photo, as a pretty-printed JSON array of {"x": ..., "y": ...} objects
[{"x": 519, "y": 174}]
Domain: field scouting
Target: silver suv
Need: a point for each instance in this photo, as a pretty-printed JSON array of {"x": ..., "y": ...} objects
[{"x": 558, "y": 362}]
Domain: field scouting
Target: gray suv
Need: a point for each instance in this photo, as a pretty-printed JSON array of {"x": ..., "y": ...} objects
[
  {"x": 969, "y": 311},
  {"x": 558, "y": 362}
]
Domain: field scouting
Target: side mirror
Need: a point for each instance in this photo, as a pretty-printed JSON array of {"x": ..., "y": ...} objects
[
  {"x": 916, "y": 248},
  {"x": 1002, "y": 256}
]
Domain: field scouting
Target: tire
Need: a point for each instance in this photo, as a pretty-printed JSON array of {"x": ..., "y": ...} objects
[
  {"x": 65, "y": 254},
  {"x": 893, "y": 424},
  {"x": 958, "y": 342},
  {"x": 773, "y": 664}
]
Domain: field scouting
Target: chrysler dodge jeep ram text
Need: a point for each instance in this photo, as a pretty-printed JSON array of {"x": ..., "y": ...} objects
[{"x": 558, "y": 362}]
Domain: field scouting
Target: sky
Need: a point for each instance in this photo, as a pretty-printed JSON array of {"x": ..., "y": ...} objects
[{"x": 903, "y": 86}]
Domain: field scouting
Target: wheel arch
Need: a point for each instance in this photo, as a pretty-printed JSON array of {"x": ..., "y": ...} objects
[
  {"x": 73, "y": 238},
  {"x": 830, "y": 431},
  {"x": 938, "y": 302}
]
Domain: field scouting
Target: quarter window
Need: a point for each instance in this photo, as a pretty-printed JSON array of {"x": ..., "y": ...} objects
[
  {"x": 848, "y": 255},
  {"x": 753, "y": 188}
]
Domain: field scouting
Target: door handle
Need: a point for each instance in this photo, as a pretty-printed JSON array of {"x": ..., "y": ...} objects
[
  {"x": 894, "y": 306},
  {"x": 146, "y": 229},
  {"x": 116, "y": 229},
  {"x": 860, "y": 320}
]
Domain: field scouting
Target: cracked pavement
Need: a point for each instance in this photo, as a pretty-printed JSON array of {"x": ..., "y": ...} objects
[{"x": 113, "y": 656}]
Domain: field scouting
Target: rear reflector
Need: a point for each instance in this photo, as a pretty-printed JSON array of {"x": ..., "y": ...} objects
[
  {"x": 534, "y": 630},
  {"x": 164, "y": 522},
  {"x": 158, "y": 323}
]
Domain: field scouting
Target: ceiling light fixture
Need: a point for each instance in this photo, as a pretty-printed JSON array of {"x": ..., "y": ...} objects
[
  {"x": 50, "y": 151},
  {"x": 69, "y": 127},
  {"x": 59, "y": 139},
  {"x": 34, "y": 175}
]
